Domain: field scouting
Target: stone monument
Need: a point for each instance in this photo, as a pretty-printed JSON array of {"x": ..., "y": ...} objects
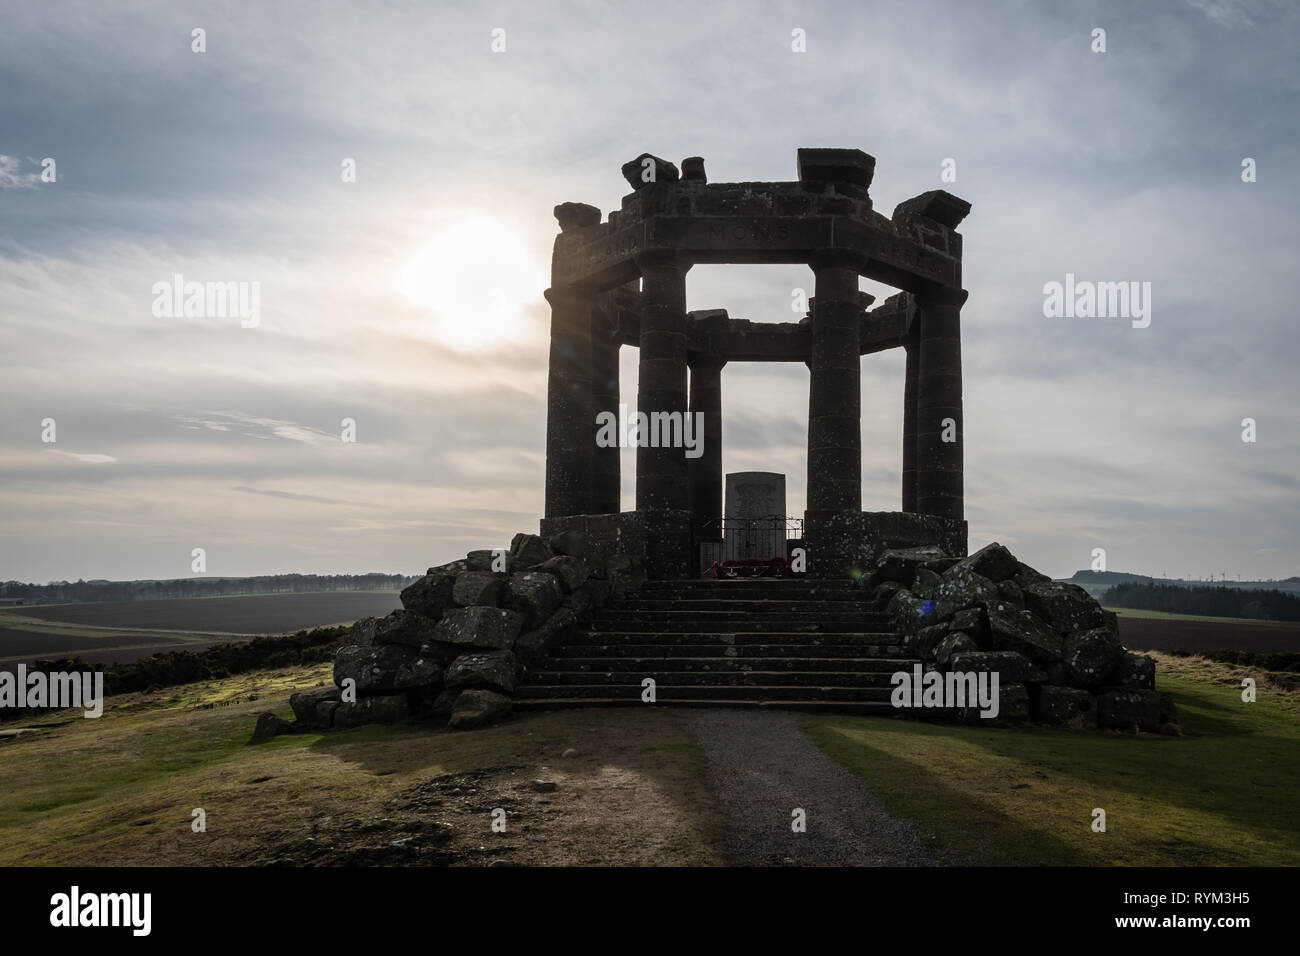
[{"x": 622, "y": 281}]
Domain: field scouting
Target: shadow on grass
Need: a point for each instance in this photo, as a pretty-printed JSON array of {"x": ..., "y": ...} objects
[{"x": 1223, "y": 795}]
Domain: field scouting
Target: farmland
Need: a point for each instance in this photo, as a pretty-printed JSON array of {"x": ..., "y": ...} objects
[
  {"x": 127, "y": 630},
  {"x": 1175, "y": 633}
]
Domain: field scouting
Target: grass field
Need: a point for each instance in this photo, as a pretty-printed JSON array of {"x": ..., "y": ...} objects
[
  {"x": 1143, "y": 614},
  {"x": 120, "y": 790},
  {"x": 1221, "y": 795}
]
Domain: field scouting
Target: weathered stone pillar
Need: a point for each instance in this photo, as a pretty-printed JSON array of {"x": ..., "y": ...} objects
[
  {"x": 706, "y": 471},
  {"x": 570, "y": 421},
  {"x": 835, "y": 387},
  {"x": 938, "y": 405},
  {"x": 909, "y": 422},
  {"x": 662, "y": 480},
  {"x": 606, "y": 490}
]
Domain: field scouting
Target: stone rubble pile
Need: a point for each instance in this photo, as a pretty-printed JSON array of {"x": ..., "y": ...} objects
[
  {"x": 1056, "y": 650},
  {"x": 466, "y": 635}
]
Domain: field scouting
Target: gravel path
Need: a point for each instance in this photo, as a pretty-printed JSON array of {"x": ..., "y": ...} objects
[{"x": 762, "y": 766}]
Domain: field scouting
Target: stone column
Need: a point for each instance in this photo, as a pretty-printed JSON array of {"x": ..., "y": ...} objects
[
  {"x": 570, "y": 421},
  {"x": 835, "y": 387},
  {"x": 909, "y": 423},
  {"x": 606, "y": 490},
  {"x": 938, "y": 405},
  {"x": 662, "y": 480},
  {"x": 706, "y": 471}
]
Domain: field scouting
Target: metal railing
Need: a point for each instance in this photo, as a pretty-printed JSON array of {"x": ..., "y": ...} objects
[{"x": 748, "y": 539}]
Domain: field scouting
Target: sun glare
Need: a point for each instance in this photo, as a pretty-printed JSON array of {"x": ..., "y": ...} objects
[{"x": 477, "y": 280}]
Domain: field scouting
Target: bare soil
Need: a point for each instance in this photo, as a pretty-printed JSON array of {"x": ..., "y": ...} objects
[{"x": 1158, "y": 634}]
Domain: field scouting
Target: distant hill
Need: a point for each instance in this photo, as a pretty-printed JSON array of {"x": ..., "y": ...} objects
[
  {"x": 58, "y": 592},
  {"x": 1097, "y": 583},
  {"x": 1260, "y": 604}
]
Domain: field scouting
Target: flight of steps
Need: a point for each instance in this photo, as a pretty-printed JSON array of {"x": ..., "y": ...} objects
[{"x": 758, "y": 642}]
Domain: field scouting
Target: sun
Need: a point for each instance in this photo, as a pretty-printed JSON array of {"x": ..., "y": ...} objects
[{"x": 477, "y": 280}]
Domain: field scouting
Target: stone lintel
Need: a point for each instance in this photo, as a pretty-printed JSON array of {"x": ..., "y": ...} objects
[
  {"x": 634, "y": 171},
  {"x": 836, "y": 165},
  {"x": 576, "y": 215},
  {"x": 938, "y": 205}
]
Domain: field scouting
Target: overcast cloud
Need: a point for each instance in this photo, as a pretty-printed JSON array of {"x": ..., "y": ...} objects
[{"x": 178, "y": 433}]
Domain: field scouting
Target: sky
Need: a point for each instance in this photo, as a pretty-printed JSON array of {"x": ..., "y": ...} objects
[{"x": 409, "y": 301}]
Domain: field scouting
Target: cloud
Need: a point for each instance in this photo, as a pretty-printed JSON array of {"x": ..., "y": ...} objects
[
  {"x": 11, "y": 176},
  {"x": 225, "y": 166},
  {"x": 85, "y": 458}
]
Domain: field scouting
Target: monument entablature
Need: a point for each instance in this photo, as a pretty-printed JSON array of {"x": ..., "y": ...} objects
[{"x": 622, "y": 281}]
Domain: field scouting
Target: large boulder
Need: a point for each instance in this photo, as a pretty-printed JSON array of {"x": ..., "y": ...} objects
[
  {"x": 1125, "y": 709},
  {"x": 534, "y": 594},
  {"x": 269, "y": 725},
  {"x": 1008, "y": 665},
  {"x": 379, "y": 709},
  {"x": 572, "y": 543},
  {"x": 900, "y": 565},
  {"x": 1011, "y": 629},
  {"x": 304, "y": 703},
  {"x": 528, "y": 551},
  {"x": 571, "y": 572},
  {"x": 492, "y": 669},
  {"x": 1069, "y": 706},
  {"x": 430, "y": 595},
  {"x": 491, "y": 628},
  {"x": 1091, "y": 656},
  {"x": 475, "y": 707},
  {"x": 538, "y": 641},
  {"x": 926, "y": 585},
  {"x": 477, "y": 587},
  {"x": 971, "y": 622},
  {"x": 484, "y": 560},
  {"x": 992, "y": 561},
  {"x": 1067, "y": 607},
  {"x": 961, "y": 587},
  {"x": 1024, "y": 574},
  {"x": 386, "y": 667},
  {"x": 1010, "y": 592},
  {"x": 1135, "y": 671},
  {"x": 952, "y": 644},
  {"x": 373, "y": 669},
  {"x": 399, "y": 627},
  {"x": 908, "y": 614},
  {"x": 1012, "y": 702}
]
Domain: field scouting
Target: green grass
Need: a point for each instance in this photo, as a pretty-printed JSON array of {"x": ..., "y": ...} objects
[
  {"x": 1170, "y": 616},
  {"x": 1221, "y": 795}
]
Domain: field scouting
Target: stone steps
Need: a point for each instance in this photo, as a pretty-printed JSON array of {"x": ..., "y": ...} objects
[
  {"x": 722, "y": 677},
  {"x": 625, "y": 635},
  {"x": 673, "y": 693},
  {"x": 651, "y": 665},
  {"x": 742, "y": 606},
  {"x": 661, "y": 651},
  {"x": 704, "y": 623},
  {"x": 872, "y": 707},
  {"x": 758, "y": 642}
]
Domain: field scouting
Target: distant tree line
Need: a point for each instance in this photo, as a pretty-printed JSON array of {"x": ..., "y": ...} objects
[
  {"x": 1263, "y": 605},
  {"x": 65, "y": 591},
  {"x": 185, "y": 667}
]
